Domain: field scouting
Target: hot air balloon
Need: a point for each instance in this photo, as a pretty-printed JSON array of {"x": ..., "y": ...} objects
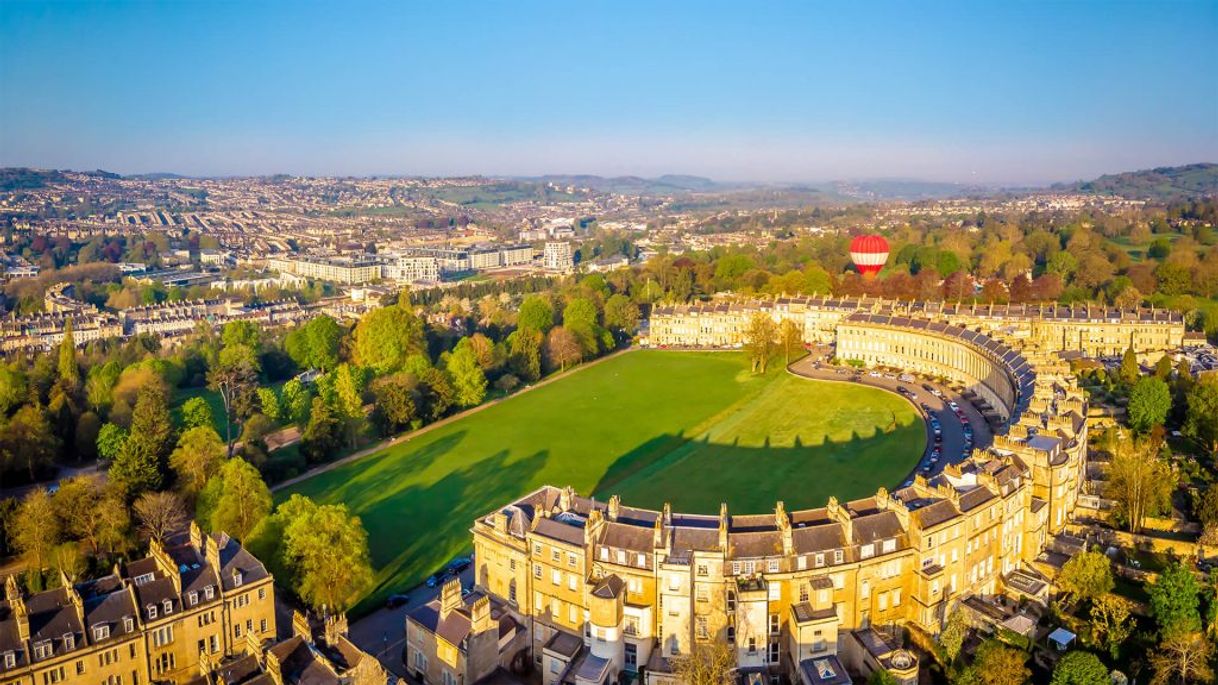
[{"x": 869, "y": 252}]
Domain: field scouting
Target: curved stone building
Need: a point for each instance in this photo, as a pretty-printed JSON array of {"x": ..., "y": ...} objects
[{"x": 603, "y": 589}]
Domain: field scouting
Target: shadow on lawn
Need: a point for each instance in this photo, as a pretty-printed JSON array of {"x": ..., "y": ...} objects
[
  {"x": 798, "y": 473},
  {"x": 425, "y": 525}
]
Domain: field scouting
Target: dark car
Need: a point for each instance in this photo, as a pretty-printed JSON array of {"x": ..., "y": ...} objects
[
  {"x": 437, "y": 579},
  {"x": 395, "y": 601},
  {"x": 459, "y": 564}
]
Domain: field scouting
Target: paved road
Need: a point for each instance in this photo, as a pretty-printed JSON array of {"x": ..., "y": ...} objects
[
  {"x": 383, "y": 632},
  {"x": 812, "y": 366}
]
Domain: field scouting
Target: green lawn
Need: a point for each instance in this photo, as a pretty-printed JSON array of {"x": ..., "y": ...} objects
[{"x": 694, "y": 429}]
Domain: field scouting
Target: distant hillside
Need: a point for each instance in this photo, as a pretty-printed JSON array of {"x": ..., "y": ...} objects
[
  {"x": 670, "y": 184},
  {"x": 902, "y": 189},
  {"x": 1160, "y": 185},
  {"x": 20, "y": 178}
]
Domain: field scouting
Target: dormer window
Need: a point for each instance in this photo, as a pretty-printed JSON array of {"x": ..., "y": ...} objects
[
  {"x": 236, "y": 578},
  {"x": 167, "y": 607},
  {"x": 143, "y": 578},
  {"x": 194, "y": 598},
  {"x": 128, "y": 624},
  {"x": 69, "y": 641},
  {"x": 151, "y": 611},
  {"x": 101, "y": 632},
  {"x": 43, "y": 650},
  {"x": 10, "y": 659},
  {"x": 838, "y": 555}
]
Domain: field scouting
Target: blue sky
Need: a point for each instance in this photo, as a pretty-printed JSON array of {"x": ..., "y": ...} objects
[{"x": 1014, "y": 92}]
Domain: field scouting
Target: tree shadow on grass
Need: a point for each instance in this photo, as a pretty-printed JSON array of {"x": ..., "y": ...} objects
[
  {"x": 416, "y": 530},
  {"x": 696, "y": 475}
]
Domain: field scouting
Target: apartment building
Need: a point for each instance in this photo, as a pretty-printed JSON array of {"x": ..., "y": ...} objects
[
  {"x": 344, "y": 270},
  {"x": 808, "y": 596},
  {"x": 152, "y": 620},
  {"x": 412, "y": 269},
  {"x": 559, "y": 256}
]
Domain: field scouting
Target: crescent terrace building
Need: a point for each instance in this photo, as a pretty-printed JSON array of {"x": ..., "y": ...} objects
[{"x": 593, "y": 591}]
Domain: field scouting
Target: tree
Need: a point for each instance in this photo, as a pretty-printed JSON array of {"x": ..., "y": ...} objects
[
  {"x": 524, "y": 356},
  {"x": 1207, "y": 507},
  {"x": 327, "y": 549},
  {"x": 236, "y": 498},
  {"x": 621, "y": 315},
  {"x": 562, "y": 348},
  {"x": 579, "y": 317},
  {"x": 882, "y": 677},
  {"x": 997, "y": 664},
  {"x": 1182, "y": 657},
  {"x": 951, "y": 638},
  {"x": 35, "y": 529},
  {"x": 1130, "y": 371},
  {"x": 791, "y": 339},
  {"x": 1085, "y": 576},
  {"x": 110, "y": 442},
  {"x": 197, "y": 457},
  {"x": 1110, "y": 624},
  {"x": 394, "y": 400},
  {"x": 140, "y": 466},
  {"x": 1149, "y": 403},
  {"x": 235, "y": 376},
  {"x": 760, "y": 340},
  {"x": 69, "y": 370},
  {"x": 709, "y": 663},
  {"x": 1175, "y": 600},
  {"x": 385, "y": 337},
  {"x": 88, "y": 428},
  {"x": 196, "y": 412},
  {"x": 315, "y": 345},
  {"x": 1201, "y": 421},
  {"x": 468, "y": 379},
  {"x": 268, "y": 401},
  {"x": 536, "y": 314},
  {"x": 27, "y": 441},
  {"x": 90, "y": 512},
  {"x": 1138, "y": 480},
  {"x": 1080, "y": 668},
  {"x": 294, "y": 401},
  {"x": 12, "y": 388},
  {"x": 160, "y": 514},
  {"x": 322, "y": 437},
  {"x": 349, "y": 401}
]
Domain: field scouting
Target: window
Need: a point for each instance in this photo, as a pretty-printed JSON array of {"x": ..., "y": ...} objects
[
  {"x": 703, "y": 571},
  {"x": 572, "y": 614},
  {"x": 867, "y": 551},
  {"x": 731, "y": 600},
  {"x": 820, "y": 559},
  {"x": 631, "y": 626},
  {"x": 555, "y": 555},
  {"x": 537, "y": 548},
  {"x": 803, "y": 592},
  {"x": 554, "y": 664},
  {"x": 802, "y": 562},
  {"x": 10, "y": 659},
  {"x": 214, "y": 643},
  {"x": 752, "y": 645},
  {"x": 571, "y": 581},
  {"x": 701, "y": 594},
  {"x": 555, "y": 577},
  {"x": 449, "y": 678},
  {"x": 773, "y": 624},
  {"x": 261, "y": 593},
  {"x": 896, "y": 597},
  {"x": 262, "y": 626},
  {"x": 193, "y": 598},
  {"x": 838, "y": 555},
  {"x": 167, "y": 607},
  {"x": 162, "y": 636},
  {"x": 701, "y": 630},
  {"x": 731, "y": 635},
  {"x": 537, "y": 571},
  {"x": 889, "y": 546},
  {"x": 43, "y": 649},
  {"x": 773, "y": 652},
  {"x": 641, "y": 560},
  {"x": 604, "y": 554},
  {"x": 570, "y": 559},
  {"x": 621, "y": 557},
  {"x": 209, "y": 592},
  {"x": 237, "y": 577},
  {"x": 736, "y": 568},
  {"x": 772, "y": 566},
  {"x": 151, "y": 611},
  {"x": 101, "y": 632}
]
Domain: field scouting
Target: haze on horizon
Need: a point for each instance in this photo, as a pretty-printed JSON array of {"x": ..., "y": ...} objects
[{"x": 1019, "y": 93}]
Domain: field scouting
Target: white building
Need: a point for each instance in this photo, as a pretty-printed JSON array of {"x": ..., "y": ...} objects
[
  {"x": 412, "y": 269},
  {"x": 559, "y": 256}
]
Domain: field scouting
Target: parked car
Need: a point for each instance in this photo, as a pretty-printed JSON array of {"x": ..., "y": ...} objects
[
  {"x": 459, "y": 564},
  {"x": 437, "y": 579},
  {"x": 396, "y": 600}
]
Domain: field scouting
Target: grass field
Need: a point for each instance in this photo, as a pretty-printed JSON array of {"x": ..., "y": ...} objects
[{"x": 694, "y": 429}]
